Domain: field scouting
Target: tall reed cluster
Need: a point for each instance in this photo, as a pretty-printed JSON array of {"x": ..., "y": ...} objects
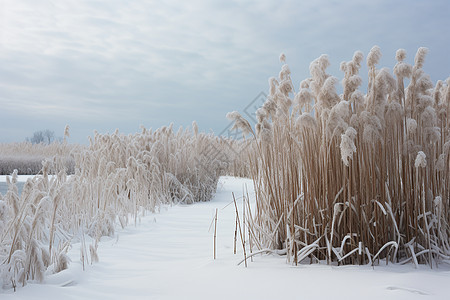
[
  {"x": 353, "y": 177},
  {"x": 117, "y": 179}
]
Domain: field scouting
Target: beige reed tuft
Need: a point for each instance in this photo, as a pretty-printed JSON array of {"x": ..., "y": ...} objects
[
  {"x": 116, "y": 180},
  {"x": 358, "y": 177}
]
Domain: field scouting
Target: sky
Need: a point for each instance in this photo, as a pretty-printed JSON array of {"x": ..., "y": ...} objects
[{"x": 111, "y": 64}]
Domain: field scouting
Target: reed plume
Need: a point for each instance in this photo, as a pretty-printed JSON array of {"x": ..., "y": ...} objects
[{"x": 358, "y": 177}]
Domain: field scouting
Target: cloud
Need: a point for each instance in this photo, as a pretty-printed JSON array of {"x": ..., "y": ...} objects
[{"x": 115, "y": 64}]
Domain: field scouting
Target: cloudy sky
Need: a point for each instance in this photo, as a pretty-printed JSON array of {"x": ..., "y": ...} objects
[{"x": 107, "y": 64}]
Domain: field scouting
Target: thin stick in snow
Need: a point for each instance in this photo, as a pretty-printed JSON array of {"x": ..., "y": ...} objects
[
  {"x": 240, "y": 230},
  {"x": 215, "y": 234},
  {"x": 235, "y": 234}
]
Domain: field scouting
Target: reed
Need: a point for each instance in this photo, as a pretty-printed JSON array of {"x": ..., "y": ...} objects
[
  {"x": 356, "y": 177},
  {"x": 116, "y": 180},
  {"x": 27, "y": 158}
]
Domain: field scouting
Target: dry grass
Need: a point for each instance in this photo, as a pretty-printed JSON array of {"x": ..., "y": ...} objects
[
  {"x": 349, "y": 178},
  {"x": 117, "y": 179},
  {"x": 353, "y": 178},
  {"x": 27, "y": 158}
]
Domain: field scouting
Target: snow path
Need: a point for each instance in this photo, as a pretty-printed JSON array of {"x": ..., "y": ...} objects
[{"x": 169, "y": 255}]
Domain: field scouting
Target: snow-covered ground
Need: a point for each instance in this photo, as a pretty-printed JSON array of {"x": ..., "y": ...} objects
[
  {"x": 169, "y": 255},
  {"x": 20, "y": 178}
]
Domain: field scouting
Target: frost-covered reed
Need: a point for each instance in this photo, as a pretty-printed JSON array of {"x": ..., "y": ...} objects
[
  {"x": 27, "y": 158},
  {"x": 356, "y": 177},
  {"x": 117, "y": 179}
]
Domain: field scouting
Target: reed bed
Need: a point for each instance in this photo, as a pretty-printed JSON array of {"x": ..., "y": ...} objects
[
  {"x": 353, "y": 178},
  {"x": 116, "y": 180},
  {"x": 27, "y": 158}
]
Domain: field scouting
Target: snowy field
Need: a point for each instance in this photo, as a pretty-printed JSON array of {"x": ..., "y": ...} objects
[{"x": 169, "y": 255}]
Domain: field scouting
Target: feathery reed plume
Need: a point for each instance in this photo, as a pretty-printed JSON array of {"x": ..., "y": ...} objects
[
  {"x": 363, "y": 178},
  {"x": 115, "y": 180},
  {"x": 239, "y": 122}
]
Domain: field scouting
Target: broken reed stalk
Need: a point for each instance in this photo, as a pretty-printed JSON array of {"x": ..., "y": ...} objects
[
  {"x": 235, "y": 234},
  {"x": 240, "y": 230},
  {"x": 249, "y": 223},
  {"x": 215, "y": 233},
  {"x": 243, "y": 220}
]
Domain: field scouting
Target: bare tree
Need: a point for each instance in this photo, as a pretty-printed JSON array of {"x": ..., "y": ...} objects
[
  {"x": 42, "y": 136},
  {"x": 49, "y": 136}
]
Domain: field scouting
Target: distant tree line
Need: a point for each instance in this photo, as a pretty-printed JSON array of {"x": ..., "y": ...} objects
[{"x": 43, "y": 136}]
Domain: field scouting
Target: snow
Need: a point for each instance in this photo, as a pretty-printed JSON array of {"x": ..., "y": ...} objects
[
  {"x": 169, "y": 255},
  {"x": 20, "y": 178}
]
